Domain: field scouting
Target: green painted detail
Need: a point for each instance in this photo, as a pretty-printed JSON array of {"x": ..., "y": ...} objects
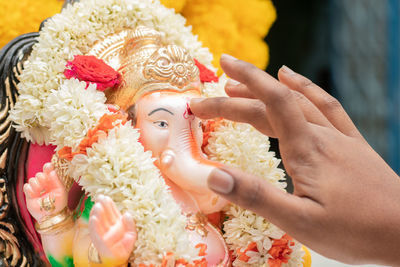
[
  {"x": 54, "y": 262},
  {"x": 67, "y": 262},
  {"x": 88, "y": 207}
]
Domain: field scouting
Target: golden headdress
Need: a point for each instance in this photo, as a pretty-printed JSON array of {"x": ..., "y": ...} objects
[{"x": 146, "y": 65}]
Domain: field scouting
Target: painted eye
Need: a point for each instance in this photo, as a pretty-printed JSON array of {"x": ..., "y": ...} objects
[
  {"x": 161, "y": 124},
  {"x": 200, "y": 124}
]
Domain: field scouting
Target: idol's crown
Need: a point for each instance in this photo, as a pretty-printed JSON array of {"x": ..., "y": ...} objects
[{"x": 146, "y": 65}]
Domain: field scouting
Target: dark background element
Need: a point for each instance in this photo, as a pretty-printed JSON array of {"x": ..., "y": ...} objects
[
  {"x": 293, "y": 42},
  {"x": 344, "y": 47}
]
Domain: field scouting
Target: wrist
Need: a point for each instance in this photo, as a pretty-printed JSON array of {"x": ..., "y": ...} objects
[
  {"x": 96, "y": 260},
  {"x": 56, "y": 223}
]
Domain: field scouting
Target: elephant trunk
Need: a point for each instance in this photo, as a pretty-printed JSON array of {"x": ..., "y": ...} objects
[{"x": 184, "y": 163}]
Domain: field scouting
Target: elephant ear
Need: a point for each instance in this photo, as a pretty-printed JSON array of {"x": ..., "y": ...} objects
[{"x": 20, "y": 243}]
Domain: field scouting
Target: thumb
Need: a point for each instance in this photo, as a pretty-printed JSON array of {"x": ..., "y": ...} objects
[{"x": 258, "y": 195}]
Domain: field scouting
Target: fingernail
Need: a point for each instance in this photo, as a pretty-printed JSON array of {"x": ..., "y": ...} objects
[
  {"x": 287, "y": 70},
  {"x": 99, "y": 198},
  {"x": 48, "y": 165},
  {"x": 231, "y": 83},
  {"x": 228, "y": 57},
  {"x": 128, "y": 215},
  {"x": 220, "y": 181}
]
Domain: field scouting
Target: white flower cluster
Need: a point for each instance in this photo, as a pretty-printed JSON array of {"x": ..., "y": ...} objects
[
  {"x": 117, "y": 166},
  {"x": 215, "y": 89},
  {"x": 72, "y": 111},
  {"x": 61, "y": 39},
  {"x": 241, "y": 146}
]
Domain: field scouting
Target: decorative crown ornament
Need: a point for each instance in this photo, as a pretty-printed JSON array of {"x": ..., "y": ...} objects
[{"x": 146, "y": 65}]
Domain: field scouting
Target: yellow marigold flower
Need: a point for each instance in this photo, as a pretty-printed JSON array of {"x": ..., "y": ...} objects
[
  {"x": 176, "y": 4},
  {"x": 252, "y": 49},
  {"x": 22, "y": 16},
  {"x": 235, "y": 27},
  {"x": 255, "y": 16},
  {"x": 216, "y": 28},
  {"x": 215, "y": 25}
]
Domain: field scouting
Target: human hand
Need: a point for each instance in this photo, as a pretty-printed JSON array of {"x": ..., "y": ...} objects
[
  {"x": 346, "y": 200},
  {"x": 45, "y": 193},
  {"x": 113, "y": 234}
]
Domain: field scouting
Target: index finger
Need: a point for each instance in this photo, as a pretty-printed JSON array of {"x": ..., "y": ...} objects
[{"x": 283, "y": 112}]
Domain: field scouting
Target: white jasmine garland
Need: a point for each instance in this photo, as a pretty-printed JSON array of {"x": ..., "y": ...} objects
[
  {"x": 72, "y": 111},
  {"x": 117, "y": 166},
  {"x": 241, "y": 146}
]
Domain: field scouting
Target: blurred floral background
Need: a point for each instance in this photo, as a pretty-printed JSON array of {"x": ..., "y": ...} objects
[
  {"x": 352, "y": 50},
  {"x": 235, "y": 27}
]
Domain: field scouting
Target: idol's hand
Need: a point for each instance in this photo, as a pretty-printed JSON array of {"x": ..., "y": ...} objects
[
  {"x": 45, "y": 193},
  {"x": 112, "y": 234},
  {"x": 346, "y": 201}
]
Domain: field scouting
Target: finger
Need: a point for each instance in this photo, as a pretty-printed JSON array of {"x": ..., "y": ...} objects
[
  {"x": 99, "y": 212},
  {"x": 48, "y": 167},
  {"x": 35, "y": 185},
  {"x": 256, "y": 194},
  {"x": 111, "y": 209},
  {"x": 310, "y": 111},
  {"x": 235, "y": 89},
  {"x": 251, "y": 111},
  {"x": 129, "y": 223},
  {"x": 41, "y": 179},
  {"x": 29, "y": 192},
  {"x": 114, "y": 234},
  {"x": 53, "y": 181},
  {"x": 327, "y": 104},
  {"x": 284, "y": 114},
  {"x": 95, "y": 223}
]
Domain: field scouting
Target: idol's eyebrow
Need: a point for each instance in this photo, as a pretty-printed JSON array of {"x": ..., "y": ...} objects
[{"x": 160, "y": 109}]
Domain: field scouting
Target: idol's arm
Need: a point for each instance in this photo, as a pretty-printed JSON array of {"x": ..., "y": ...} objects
[{"x": 46, "y": 200}]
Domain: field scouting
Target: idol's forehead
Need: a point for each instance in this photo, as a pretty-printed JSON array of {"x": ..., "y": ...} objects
[
  {"x": 173, "y": 101},
  {"x": 167, "y": 95}
]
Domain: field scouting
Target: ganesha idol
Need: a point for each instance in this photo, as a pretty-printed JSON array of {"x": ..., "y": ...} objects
[
  {"x": 158, "y": 83},
  {"x": 126, "y": 182}
]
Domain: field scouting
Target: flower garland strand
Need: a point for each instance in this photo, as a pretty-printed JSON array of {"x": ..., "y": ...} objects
[{"x": 117, "y": 166}]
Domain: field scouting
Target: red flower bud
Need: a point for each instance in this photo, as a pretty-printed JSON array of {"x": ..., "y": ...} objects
[{"x": 93, "y": 70}]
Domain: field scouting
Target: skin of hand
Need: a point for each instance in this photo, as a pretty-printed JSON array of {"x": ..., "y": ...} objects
[
  {"x": 114, "y": 235},
  {"x": 346, "y": 200},
  {"x": 44, "y": 185}
]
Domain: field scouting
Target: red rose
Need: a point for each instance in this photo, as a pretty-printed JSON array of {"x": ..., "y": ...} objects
[
  {"x": 92, "y": 70},
  {"x": 206, "y": 75}
]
